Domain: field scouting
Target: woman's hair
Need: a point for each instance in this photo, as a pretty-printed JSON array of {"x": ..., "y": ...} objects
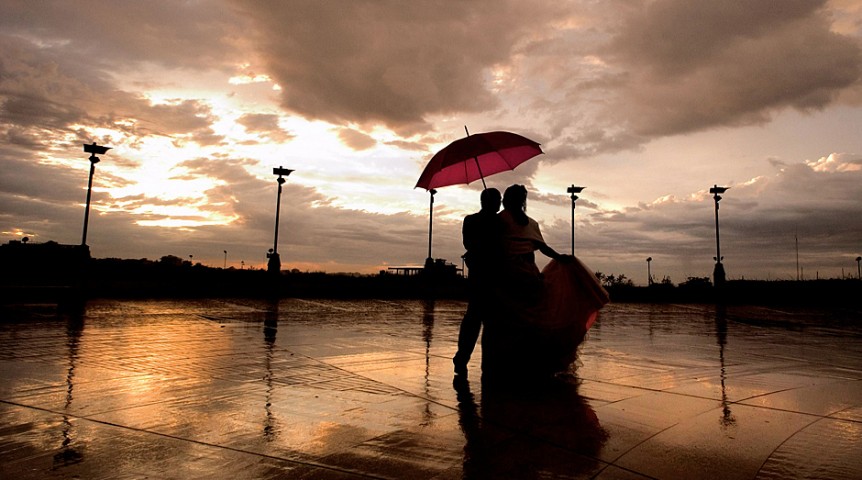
[{"x": 515, "y": 202}]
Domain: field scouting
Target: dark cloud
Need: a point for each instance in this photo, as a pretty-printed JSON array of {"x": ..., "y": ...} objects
[
  {"x": 265, "y": 124},
  {"x": 47, "y": 92},
  {"x": 691, "y": 65},
  {"x": 389, "y": 63},
  {"x": 815, "y": 201},
  {"x": 583, "y": 78},
  {"x": 356, "y": 139},
  {"x": 110, "y": 35}
]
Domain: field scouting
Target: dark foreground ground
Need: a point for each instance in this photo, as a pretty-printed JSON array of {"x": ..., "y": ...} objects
[{"x": 337, "y": 389}]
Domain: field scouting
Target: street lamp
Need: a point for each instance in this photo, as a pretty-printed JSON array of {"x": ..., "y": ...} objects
[
  {"x": 649, "y": 271},
  {"x": 574, "y": 190},
  {"x": 718, "y": 274},
  {"x": 274, "y": 263},
  {"x": 93, "y": 150},
  {"x": 225, "y": 259},
  {"x": 430, "y": 261}
]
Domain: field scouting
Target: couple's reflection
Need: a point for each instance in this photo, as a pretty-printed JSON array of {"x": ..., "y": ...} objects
[{"x": 544, "y": 429}]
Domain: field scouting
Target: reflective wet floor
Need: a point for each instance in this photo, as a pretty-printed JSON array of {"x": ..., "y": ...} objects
[{"x": 324, "y": 389}]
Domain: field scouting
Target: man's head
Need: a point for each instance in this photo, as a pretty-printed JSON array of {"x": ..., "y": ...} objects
[{"x": 490, "y": 199}]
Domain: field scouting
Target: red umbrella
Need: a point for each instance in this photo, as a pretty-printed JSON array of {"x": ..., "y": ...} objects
[{"x": 475, "y": 157}]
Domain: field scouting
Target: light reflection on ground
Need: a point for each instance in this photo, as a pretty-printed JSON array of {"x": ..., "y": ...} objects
[{"x": 342, "y": 389}]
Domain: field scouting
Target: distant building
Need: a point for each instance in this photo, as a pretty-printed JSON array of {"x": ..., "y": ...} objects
[{"x": 438, "y": 268}]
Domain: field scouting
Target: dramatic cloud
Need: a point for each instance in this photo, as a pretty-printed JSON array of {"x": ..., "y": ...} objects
[
  {"x": 111, "y": 35},
  {"x": 50, "y": 92},
  {"x": 616, "y": 75},
  {"x": 760, "y": 220},
  {"x": 266, "y": 124},
  {"x": 355, "y": 139},
  {"x": 389, "y": 63},
  {"x": 645, "y": 102},
  {"x": 691, "y": 65}
]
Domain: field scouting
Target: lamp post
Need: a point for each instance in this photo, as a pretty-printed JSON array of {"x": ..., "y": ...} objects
[
  {"x": 649, "y": 271},
  {"x": 430, "y": 260},
  {"x": 225, "y": 259},
  {"x": 859, "y": 268},
  {"x": 93, "y": 150},
  {"x": 573, "y": 190},
  {"x": 718, "y": 275},
  {"x": 273, "y": 265}
]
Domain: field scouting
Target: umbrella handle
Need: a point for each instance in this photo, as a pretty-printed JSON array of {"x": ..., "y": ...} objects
[{"x": 481, "y": 177}]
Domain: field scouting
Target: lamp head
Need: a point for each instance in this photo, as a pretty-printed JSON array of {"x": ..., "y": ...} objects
[
  {"x": 716, "y": 189},
  {"x": 96, "y": 149},
  {"x": 574, "y": 189},
  {"x": 281, "y": 171}
]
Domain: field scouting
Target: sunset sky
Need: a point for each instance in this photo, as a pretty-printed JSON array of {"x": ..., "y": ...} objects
[{"x": 646, "y": 103}]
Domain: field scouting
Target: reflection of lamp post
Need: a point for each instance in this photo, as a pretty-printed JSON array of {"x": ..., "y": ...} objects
[
  {"x": 93, "y": 150},
  {"x": 718, "y": 275},
  {"x": 225, "y": 259},
  {"x": 573, "y": 190},
  {"x": 649, "y": 271},
  {"x": 727, "y": 419},
  {"x": 429, "y": 261},
  {"x": 270, "y": 330},
  {"x": 274, "y": 263},
  {"x": 859, "y": 268}
]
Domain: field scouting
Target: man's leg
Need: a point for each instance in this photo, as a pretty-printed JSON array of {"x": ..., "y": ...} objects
[{"x": 467, "y": 337}]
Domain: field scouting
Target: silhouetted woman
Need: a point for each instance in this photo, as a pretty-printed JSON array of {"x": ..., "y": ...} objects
[
  {"x": 521, "y": 238},
  {"x": 545, "y": 315}
]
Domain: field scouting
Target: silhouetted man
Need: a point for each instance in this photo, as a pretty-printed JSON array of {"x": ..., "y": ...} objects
[{"x": 482, "y": 236}]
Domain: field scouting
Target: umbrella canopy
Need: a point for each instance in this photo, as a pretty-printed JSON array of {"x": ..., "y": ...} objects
[{"x": 475, "y": 157}]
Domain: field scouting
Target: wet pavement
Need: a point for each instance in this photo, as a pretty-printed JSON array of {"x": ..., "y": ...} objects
[{"x": 324, "y": 389}]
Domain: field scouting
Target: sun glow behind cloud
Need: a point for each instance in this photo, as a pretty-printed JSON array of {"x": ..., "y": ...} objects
[
  {"x": 372, "y": 180},
  {"x": 623, "y": 100}
]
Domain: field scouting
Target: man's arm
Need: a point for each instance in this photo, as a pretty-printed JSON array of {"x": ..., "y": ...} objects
[{"x": 469, "y": 235}]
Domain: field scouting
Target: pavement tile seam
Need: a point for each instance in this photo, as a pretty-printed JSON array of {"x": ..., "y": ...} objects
[
  {"x": 839, "y": 458},
  {"x": 308, "y": 463},
  {"x": 737, "y": 401},
  {"x": 613, "y": 461},
  {"x": 762, "y": 372},
  {"x": 390, "y": 389},
  {"x": 787, "y": 440}
]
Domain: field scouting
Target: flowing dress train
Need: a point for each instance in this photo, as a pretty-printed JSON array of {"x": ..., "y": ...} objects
[{"x": 541, "y": 318}]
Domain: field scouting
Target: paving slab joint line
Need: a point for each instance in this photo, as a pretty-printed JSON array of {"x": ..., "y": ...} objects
[
  {"x": 735, "y": 402},
  {"x": 407, "y": 392},
  {"x": 765, "y": 460},
  {"x": 634, "y": 472},
  {"x": 198, "y": 442}
]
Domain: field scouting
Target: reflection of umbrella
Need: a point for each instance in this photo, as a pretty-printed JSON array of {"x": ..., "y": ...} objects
[{"x": 475, "y": 157}]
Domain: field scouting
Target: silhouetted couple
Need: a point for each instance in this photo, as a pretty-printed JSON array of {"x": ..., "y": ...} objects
[{"x": 533, "y": 321}]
